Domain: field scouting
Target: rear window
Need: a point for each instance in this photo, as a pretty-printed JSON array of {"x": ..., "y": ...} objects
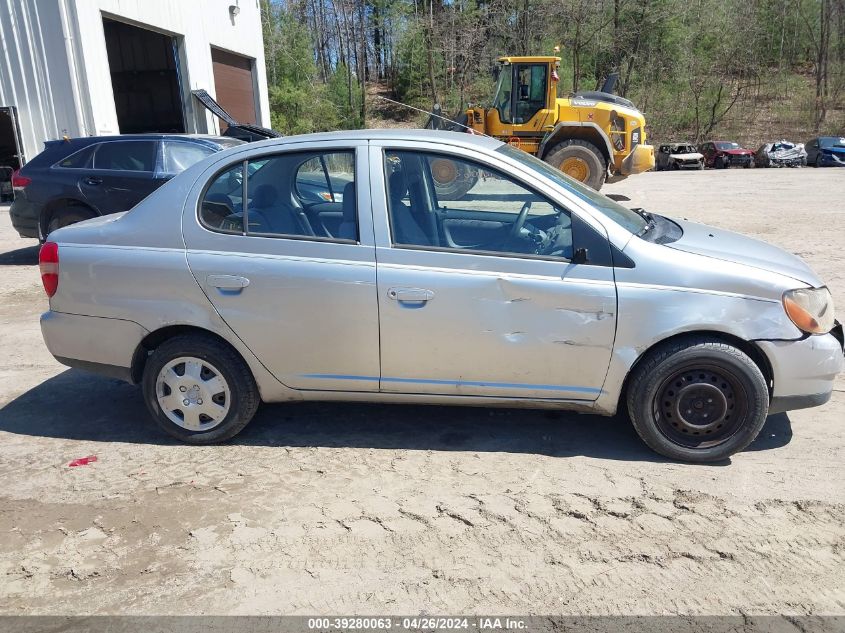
[
  {"x": 178, "y": 155},
  {"x": 78, "y": 160},
  {"x": 126, "y": 156}
]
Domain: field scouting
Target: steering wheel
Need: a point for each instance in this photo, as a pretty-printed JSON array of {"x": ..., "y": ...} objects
[{"x": 520, "y": 220}]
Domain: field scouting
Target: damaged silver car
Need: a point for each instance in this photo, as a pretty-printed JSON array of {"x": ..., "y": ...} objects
[
  {"x": 678, "y": 156},
  {"x": 781, "y": 154},
  {"x": 232, "y": 285}
]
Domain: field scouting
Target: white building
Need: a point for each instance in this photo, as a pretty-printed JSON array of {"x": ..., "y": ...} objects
[{"x": 95, "y": 67}]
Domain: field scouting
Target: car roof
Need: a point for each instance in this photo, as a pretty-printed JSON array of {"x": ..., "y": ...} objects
[
  {"x": 398, "y": 134},
  {"x": 212, "y": 138}
]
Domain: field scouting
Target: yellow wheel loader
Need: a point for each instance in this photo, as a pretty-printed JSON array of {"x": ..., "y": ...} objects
[{"x": 590, "y": 136}]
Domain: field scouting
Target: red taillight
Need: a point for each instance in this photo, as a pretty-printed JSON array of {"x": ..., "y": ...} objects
[
  {"x": 48, "y": 263},
  {"x": 18, "y": 181}
]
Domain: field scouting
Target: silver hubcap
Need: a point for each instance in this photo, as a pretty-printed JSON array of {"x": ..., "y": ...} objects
[{"x": 192, "y": 393}]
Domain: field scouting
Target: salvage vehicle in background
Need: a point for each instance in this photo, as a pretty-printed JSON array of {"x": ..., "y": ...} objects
[
  {"x": 531, "y": 290},
  {"x": 826, "y": 151},
  {"x": 781, "y": 154},
  {"x": 678, "y": 156},
  {"x": 724, "y": 154},
  {"x": 81, "y": 178}
]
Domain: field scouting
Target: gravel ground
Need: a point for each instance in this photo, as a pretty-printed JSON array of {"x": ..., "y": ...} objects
[{"x": 336, "y": 508}]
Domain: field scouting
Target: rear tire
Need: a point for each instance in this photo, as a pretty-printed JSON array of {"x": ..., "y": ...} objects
[
  {"x": 697, "y": 400},
  {"x": 67, "y": 215},
  {"x": 587, "y": 162},
  {"x": 199, "y": 390}
]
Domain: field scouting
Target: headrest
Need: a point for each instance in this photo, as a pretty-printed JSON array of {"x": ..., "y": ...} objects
[{"x": 264, "y": 196}]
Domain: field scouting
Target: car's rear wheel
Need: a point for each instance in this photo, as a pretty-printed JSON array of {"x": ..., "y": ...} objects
[
  {"x": 199, "y": 390},
  {"x": 67, "y": 215},
  {"x": 698, "y": 400}
]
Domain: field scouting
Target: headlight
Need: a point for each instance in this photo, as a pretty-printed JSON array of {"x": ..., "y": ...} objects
[{"x": 811, "y": 309}]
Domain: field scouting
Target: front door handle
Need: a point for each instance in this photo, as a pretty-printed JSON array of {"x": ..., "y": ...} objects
[
  {"x": 93, "y": 181},
  {"x": 227, "y": 282},
  {"x": 410, "y": 295}
]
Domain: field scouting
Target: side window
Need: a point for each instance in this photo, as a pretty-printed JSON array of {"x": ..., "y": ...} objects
[
  {"x": 78, "y": 160},
  {"x": 279, "y": 193},
  {"x": 126, "y": 156},
  {"x": 221, "y": 208},
  {"x": 324, "y": 177},
  {"x": 443, "y": 202},
  {"x": 179, "y": 156}
]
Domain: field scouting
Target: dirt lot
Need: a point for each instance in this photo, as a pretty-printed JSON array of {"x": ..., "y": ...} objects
[{"x": 397, "y": 509}]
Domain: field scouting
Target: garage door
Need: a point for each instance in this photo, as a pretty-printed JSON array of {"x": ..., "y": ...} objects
[{"x": 233, "y": 86}]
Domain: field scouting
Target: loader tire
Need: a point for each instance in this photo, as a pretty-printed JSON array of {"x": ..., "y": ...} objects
[
  {"x": 452, "y": 178},
  {"x": 580, "y": 160}
]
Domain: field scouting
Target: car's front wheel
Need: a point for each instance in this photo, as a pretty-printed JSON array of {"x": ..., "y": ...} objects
[
  {"x": 698, "y": 400},
  {"x": 199, "y": 390}
]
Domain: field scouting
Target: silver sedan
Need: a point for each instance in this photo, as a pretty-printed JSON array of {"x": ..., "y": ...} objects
[{"x": 349, "y": 266}]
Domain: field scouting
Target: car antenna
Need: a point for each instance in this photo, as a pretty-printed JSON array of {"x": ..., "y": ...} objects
[{"x": 432, "y": 114}]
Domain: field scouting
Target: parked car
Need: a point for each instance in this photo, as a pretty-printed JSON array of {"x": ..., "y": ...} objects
[
  {"x": 531, "y": 290},
  {"x": 781, "y": 154},
  {"x": 678, "y": 156},
  {"x": 81, "y": 178},
  {"x": 826, "y": 151},
  {"x": 724, "y": 154},
  {"x": 6, "y": 175}
]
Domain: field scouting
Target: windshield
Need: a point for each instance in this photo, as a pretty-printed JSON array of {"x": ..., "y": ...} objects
[
  {"x": 727, "y": 145},
  {"x": 502, "y": 96},
  {"x": 831, "y": 141},
  {"x": 623, "y": 216}
]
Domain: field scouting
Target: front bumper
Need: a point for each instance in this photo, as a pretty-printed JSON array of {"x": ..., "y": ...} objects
[
  {"x": 804, "y": 370},
  {"x": 739, "y": 161},
  {"x": 832, "y": 160},
  {"x": 96, "y": 344},
  {"x": 638, "y": 161}
]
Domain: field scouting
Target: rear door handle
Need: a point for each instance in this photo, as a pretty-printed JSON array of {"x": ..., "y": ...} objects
[
  {"x": 92, "y": 180},
  {"x": 410, "y": 295},
  {"x": 227, "y": 282}
]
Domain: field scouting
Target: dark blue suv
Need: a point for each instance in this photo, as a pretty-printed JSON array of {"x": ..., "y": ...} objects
[{"x": 81, "y": 178}]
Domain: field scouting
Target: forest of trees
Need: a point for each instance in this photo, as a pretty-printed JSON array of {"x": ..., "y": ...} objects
[{"x": 695, "y": 67}]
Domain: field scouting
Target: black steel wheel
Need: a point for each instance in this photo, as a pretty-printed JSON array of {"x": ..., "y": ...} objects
[
  {"x": 697, "y": 399},
  {"x": 700, "y": 406}
]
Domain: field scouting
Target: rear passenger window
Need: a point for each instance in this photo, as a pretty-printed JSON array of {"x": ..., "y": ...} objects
[
  {"x": 294, "y": 195},
  {"x": 322, "y": 178},
  {"x": 222, "y": 204},
  {"x": 178, "y": 156},
  {"x": 78, "y": 160},
  {"x": 126, "y": 156}
]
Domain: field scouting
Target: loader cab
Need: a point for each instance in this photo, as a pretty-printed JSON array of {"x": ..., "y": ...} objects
[{"x": 526, "y": 89}]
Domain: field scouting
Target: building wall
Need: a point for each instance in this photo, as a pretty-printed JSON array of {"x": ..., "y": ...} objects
[
  {"x": 55, "y": 65},
  {"x": 34, "y": 72}
]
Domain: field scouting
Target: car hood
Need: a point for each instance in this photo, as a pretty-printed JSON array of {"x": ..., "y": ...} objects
[
  {"x": 733, "y": 247},
  {"x": 834, "y": 150},
  {"x": 687, "y": 156},
  {"x": 736, "y": 152}
]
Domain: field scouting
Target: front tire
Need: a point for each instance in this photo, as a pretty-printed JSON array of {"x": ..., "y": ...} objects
[
  {"x": 698, "y": 400},
  {"x": 199, "y": 390},
  {"x": 580, "y": 160}
]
